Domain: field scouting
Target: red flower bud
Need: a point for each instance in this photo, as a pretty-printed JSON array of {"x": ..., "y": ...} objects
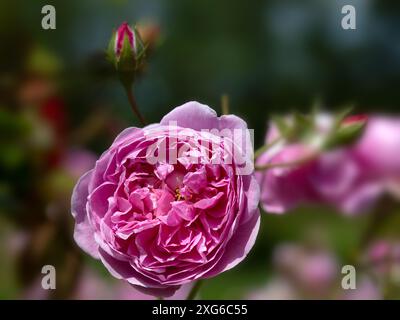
[
  {"x": 126, "y": 51},
  {"x": 358, "y": 118},
  {"x": 124, "y": 30}
]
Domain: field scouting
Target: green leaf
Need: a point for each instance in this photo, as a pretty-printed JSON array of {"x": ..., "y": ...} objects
[
  {"x": 126, "y": 61},
  {"x": 110, "y": 49}
]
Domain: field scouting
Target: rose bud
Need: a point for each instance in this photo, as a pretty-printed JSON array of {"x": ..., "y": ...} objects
[
  {"x": 126, "y": 50},
  {"x": 358, "y": 118}
]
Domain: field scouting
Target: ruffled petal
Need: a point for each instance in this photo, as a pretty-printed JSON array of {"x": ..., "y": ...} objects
[
  {"x": 83, "y": 232},
  {"x": 192, "y": 115}
]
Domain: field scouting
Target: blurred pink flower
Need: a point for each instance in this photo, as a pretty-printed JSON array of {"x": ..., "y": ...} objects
[
  {"x": 284, "y": 188},
  {"x": 35, "y": 291},
  {"x": 277, "y": 289},
  {"x": 366, "y": 289},
  {"x": 164, "y": 224},
  {"x": 383, "y": 259},
  {"x": 343, "y": 178},
  {"x": 78, "y": 161},
  {"x": 311, "y": 273},
  {"x": 379, "y": 150},
  {"x": 93, "y": 287},
  {"x": 300, "y": 273},
  {"x": 311, "y": 270}
]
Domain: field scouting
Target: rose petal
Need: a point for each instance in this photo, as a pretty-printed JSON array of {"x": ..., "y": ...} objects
[
  {"x": 83, "y": 232},
  {"x": 192, "y": 115}
]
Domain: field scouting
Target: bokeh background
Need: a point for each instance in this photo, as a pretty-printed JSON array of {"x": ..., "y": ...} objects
[{"x": 61, "y": 105}]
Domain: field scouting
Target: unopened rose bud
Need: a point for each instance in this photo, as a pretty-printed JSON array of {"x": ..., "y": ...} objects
[
  {"x": 126, "y": 51},
  {"x": 348, "y": 131},
  {"x": 354, "y": 119}
]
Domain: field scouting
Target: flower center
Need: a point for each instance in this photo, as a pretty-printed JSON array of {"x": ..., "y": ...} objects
[{"x": 178, "y": 195}]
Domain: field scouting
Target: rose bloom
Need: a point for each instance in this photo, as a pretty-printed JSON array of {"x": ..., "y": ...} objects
[
  {"x": 159, "y": 223},
  {"x": 350, "y": 179},
  {"x": 379, "y": 151}
]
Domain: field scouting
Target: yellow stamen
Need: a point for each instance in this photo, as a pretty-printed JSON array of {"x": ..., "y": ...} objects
[{"x": 178, "y": 195}]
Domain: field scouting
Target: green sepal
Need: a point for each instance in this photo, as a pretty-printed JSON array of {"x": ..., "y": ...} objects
[
  {"x": 126, "y": 62},
  {"x": 346, "y": 134},
  {"x": 296, "y": 129},
  {"x": 110, "y": 53}
]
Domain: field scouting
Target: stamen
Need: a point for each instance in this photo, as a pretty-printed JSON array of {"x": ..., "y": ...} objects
[{"x": 178, "y": 195}]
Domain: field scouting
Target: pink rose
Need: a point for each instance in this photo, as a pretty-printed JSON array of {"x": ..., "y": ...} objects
[
  {"x": 379, "y": 147},
  {"x": 306, "y": 175},
  {"x": 366, "y": 289},
  {"x": 284, "y": 188},
  {"x": 170, "y": 203},
  {"x": 379, "y": 151}
]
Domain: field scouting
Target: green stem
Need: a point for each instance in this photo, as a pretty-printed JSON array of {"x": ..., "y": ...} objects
[
  {"x": 133, "y": 104},
  {"x": 195, "y": 290},
  {"x": 379, "y": 216},
  {"x": 225, "y": 104},
  {"x": 265, "y": 147},
  {"x": 382, "y": 212},
  {"x": 286, "y": 164}
]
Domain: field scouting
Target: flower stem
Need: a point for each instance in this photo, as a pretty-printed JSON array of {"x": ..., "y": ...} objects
[
  {"x": 195, "y": 290},
  {"x": 286, "y": 164},
  {"x": 132, "y": 102},
  {"x": 225, "y": 104},
  {"x": 265, "y": 147},
  {"x": 383, "y": 210}
]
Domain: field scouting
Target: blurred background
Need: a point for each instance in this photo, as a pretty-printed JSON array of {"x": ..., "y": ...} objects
[{"x": 61, "y": 106}]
